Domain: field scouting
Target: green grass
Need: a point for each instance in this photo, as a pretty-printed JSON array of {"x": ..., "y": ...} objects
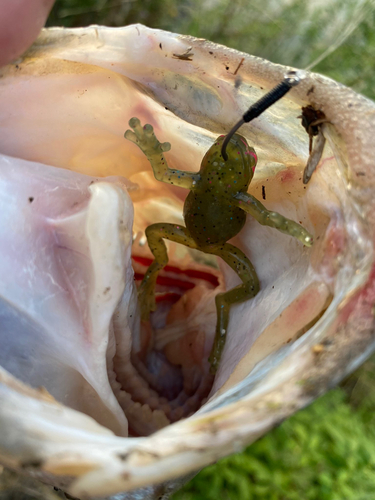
[{"x": 324, "y": 452}]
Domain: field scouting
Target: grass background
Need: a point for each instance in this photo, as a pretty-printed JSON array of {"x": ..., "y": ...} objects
[{"x": 327, "y": 451}]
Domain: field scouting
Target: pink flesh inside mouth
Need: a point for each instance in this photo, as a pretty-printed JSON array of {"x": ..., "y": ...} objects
[{"x": 170, "y": 370}]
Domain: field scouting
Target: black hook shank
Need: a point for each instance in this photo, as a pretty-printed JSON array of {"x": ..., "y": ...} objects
[{"x": 291, "y": 79}]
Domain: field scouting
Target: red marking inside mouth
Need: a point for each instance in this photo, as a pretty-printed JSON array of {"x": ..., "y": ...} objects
[
  {"x": 168, "y": 296},
  {"x": 167, "y": 281},
  {"x": 190, "y": 273},
  {"x": 285, "y": 175}
]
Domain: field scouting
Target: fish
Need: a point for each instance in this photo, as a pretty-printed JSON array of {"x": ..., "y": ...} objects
[{"x": 93, "y": 400}]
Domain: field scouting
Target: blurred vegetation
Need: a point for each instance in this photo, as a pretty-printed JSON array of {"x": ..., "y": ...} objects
[
  {"x": 327, "y": 451},
  {"x": 292, "y": 32}
]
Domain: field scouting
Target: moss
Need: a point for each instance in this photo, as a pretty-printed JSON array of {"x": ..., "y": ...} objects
[{"x": 326, "y": 451}]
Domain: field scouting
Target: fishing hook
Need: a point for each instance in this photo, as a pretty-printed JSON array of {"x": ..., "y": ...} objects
[{"x": 291, "y": 79}]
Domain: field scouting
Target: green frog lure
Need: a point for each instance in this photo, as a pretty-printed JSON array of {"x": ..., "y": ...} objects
[{"x": 214, "y": 211}]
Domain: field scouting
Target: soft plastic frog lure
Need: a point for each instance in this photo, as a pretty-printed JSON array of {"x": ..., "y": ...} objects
[{"x": 214, "y": 212}]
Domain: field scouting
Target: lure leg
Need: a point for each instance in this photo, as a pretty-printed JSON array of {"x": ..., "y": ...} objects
[
  {"x": 238, "y": 261},
  {"x": 147, "y": 142},
  {"x": 234, "y": 257},
  {"x": 252, "y": 206},
  {"x": 155, "y": 235}
]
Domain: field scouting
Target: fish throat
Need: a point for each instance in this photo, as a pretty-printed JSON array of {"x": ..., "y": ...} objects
[{"x": 167, "y": 376}]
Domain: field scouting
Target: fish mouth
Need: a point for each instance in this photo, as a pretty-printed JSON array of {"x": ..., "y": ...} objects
[
  {"x": 137, "y": 378},
  {"x": 167, "y": 376},
  {"x": 157, "y": 371},
  {"x": 295, "y": 294}
]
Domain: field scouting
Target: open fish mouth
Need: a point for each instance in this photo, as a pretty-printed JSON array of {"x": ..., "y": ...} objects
[{"x": 76, "y": 197}]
